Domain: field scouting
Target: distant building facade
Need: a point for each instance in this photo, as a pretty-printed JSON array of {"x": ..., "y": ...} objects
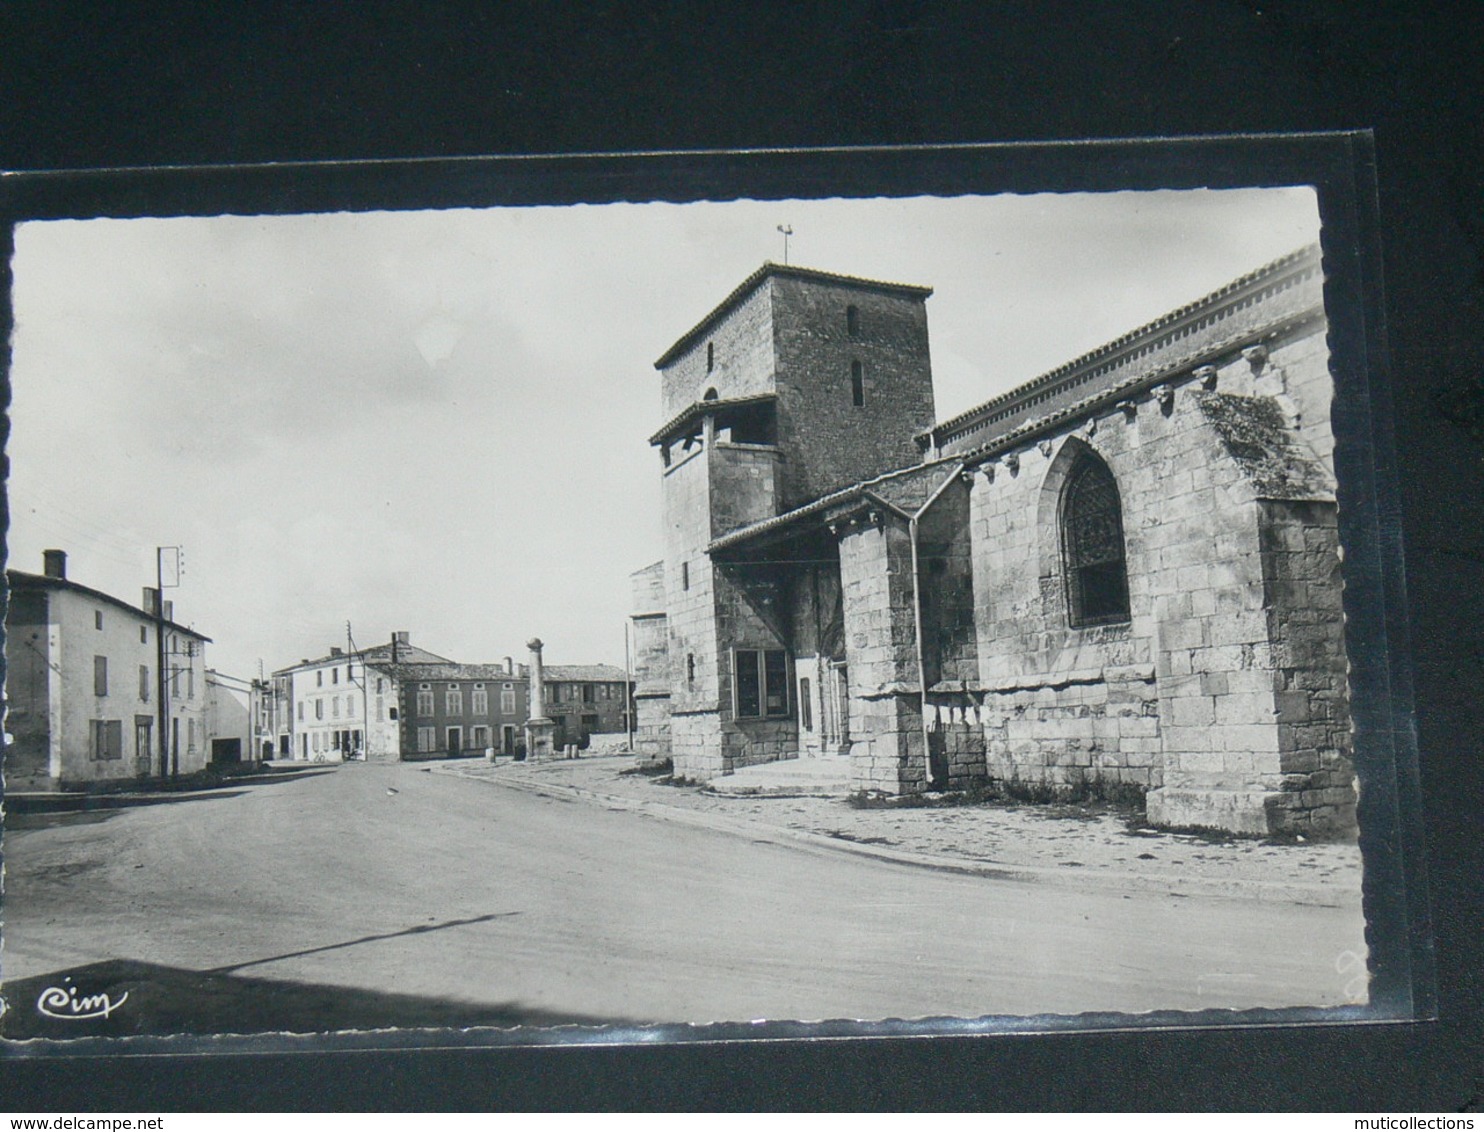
[
  {"x": 583, "y": 700},
  {"x": 400, "y": 702},
  {"x": 1120, "y": 576},
  {"x": 82, "y": 684},
  {"x": 327, "y": 708},
  {"x": 450, "y": 709},
  {"x": 229, "y": 716}
]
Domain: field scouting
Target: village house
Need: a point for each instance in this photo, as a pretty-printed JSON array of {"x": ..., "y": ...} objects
[
  {"x": 83, "y": 684},
  {"x": 322, "y": 706},
  {"x": 1121, "y": 576},
  {"x": 452, "y": 709},
  {"x": 583, "y": 700},
  {"x": 229, "y": 717}
]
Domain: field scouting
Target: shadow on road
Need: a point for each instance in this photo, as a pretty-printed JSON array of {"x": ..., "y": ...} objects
[
  {"x": 147, "y": 998},
  {"x": 28, "y": 813},
  {"x": 419, "y": 929},
  {"x": 25, "y": 810}
]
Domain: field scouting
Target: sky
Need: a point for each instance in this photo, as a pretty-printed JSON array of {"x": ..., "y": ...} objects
[{"x": 436, "y": 421}]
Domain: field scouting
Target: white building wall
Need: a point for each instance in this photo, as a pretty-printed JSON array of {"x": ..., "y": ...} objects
[
  {"x": 228, "y": 716},
  {"x": 75, "y": 640},
  {"x": 328, "y": 699}
]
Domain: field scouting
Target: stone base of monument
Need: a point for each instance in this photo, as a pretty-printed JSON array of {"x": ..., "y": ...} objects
[{"x": 539, "y": 734}]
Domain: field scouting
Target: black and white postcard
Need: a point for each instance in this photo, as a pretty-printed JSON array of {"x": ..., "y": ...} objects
[{"x": 704, "y": 596}]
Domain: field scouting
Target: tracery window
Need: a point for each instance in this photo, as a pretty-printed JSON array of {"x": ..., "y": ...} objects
[{"x": 1092, "y": 546}]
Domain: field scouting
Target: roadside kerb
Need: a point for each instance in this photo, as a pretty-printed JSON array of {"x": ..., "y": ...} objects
[{"x": 1285, "y": 892}]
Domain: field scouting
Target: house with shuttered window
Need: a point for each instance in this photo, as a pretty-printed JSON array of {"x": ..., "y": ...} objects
[
  {"x": 345, "y": 702},
  {"x": 83, "y": 688},
  {"x": 450, "y": 710}
]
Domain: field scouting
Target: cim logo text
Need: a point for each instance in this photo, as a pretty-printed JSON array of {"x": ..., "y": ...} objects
[{"x": 64, "y": 1002}]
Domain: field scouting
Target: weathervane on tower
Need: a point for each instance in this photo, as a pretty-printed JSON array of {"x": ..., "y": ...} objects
[{"x": 787, "y": 230}]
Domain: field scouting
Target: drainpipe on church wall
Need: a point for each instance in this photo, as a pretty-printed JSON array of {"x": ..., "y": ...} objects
[
  {"x": 927, "y": 750},
  {"x": 922, "y": 690}
]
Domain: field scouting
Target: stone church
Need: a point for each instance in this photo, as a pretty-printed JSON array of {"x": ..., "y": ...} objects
[{"x": 1122, "y": 576}]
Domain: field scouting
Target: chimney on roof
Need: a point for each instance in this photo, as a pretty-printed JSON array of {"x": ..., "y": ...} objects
[
  {"x": 334, "y": 651},
  {"x": 509, "y": 666},
  {"x": 54, "y": 563},
  {"x": 169, "y": 611},
  {"x": 151, "y": 601},
  {"x": 402, "y": 637}
]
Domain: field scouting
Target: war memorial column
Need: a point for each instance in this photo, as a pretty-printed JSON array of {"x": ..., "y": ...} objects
[{"x": 538, "y": 727}]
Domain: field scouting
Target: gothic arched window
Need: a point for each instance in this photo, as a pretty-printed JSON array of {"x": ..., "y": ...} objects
[{"x": 1092, "y": 546}]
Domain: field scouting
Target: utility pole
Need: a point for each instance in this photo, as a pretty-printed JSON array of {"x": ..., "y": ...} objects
[
  {"x": 161, "y": 684},
  {"x": 259, "y": 712},
  {"x": 161, "y": 653},
  {"x": 350, "y": 651},
  {"x": 628, "y": 688}
]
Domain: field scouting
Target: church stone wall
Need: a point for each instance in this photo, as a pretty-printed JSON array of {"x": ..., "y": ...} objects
[
  {"x": 1062, "y": 706},
  {"x": 1301, "y": 578},
  {"x": 886, "y": 748},
  {"x": 830, "y": 441},
  {"x": 650, "y": 660},
  {"x": 1293, "y": 370},
  {"x": 945, "y": 562},
  {"x": 750, "y": 605},
  {"x": 695, "y": 725},
  {"x": 744, "y": 485},
  {"x": 1252, "y": 675},
  {"x": 1223, "y": 694},
  {"x": 1279, "y": 711},
  {"x": 741, "y": 357}
]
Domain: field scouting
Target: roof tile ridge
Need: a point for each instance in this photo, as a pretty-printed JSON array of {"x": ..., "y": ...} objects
[
  {"x": 1213, "y": 298},
  {"x": 769, "y": 267},
  {"x": 1058, "y": 417}
]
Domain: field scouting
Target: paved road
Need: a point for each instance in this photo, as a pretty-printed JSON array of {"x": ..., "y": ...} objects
[{"x": 402, "y": 886}]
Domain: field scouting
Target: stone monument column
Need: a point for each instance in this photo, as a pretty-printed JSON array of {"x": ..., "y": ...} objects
[{"x": 538, "y": 727}]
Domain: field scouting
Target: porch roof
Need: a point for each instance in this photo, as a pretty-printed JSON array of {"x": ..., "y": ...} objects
[{"x": 905, "y": 490}]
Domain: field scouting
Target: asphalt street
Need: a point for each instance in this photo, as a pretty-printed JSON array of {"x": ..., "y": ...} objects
[{"x": 390, "y": 887}]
